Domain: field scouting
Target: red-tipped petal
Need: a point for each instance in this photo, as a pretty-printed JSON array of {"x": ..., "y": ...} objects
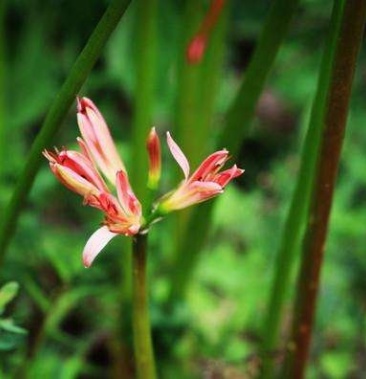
[
  {"x": 153, "y": 148},
  {"x": 83, "y": 166},
  {"x": 126, "y": 196},
  {"x": 73, "y": 181},
  {"x": 98, "y": 139},
  {"x": 223, "y": 178},
  {"x": 210, "y": 166},
  {"x": 190, "y": 194},
  {"x": 95, "y": 244},
  {"x": 178, "y": 155}
]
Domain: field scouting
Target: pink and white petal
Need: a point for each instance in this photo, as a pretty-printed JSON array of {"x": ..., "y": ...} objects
[
  {"x": 84, "y": 149},
  {"x": 178, "y": 155},
  {"x": 97, "y": 139},
  {"x": 224, "y": 177},
  {"x": 73, "y": 181},
  {"x": 86, "y": 102},
  {"x": 189, "y": 194},
  {"x": 126, "y": 196},
  {"x": 202, "y": 191},
  {"x": 81, "y": 165},
  {"x": 95, "y": 244},
  {"x": 94, "y": 150},
  {"x": 105, "y": 140},
  {"x": 210, "y": 166},
  {"x": 86, "y": 129}
]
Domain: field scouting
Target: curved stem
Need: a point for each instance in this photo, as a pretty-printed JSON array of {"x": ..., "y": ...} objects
[
  {"x": 144, "y": 356},
  {"x": 57, "y": 114}
]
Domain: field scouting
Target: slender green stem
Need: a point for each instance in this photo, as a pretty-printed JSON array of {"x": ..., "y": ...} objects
[
  {"x": 145, "y": 58},
  {"x": 144, "y": 356},
  {"x": 145, "y": 16},
  {"x": 187, "y": 120},
  {"x": 296, "y": 218},
  {"x": 351, "y": 32},
  {"x": 237, "y": 122},
  {"x": 57, "y": 114},
  {"x": 241, "y": 111},
  {"x": 188, "y": 95},
  {"x": 195, "y": 106},
  {"x": 212, "y": 68}
]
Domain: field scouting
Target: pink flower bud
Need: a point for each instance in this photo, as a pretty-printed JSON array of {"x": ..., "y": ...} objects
[{"x": 153, "y": 148}]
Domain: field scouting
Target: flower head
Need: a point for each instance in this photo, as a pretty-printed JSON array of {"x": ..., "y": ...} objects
[
  {"x": 78, "y": 171},
  {"x": 205, "y": 183},
  {"x": 85, "y": 171}
]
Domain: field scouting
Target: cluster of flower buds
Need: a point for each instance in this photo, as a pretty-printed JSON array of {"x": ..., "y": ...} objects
[{"x": 86, "y": 172}]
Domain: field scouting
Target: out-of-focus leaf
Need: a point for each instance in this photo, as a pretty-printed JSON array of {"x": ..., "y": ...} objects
[
  {"x": 9, "y": 326},
  {"x": 7, "y": 293},
  {"x": 10, "y": 340},
  {"x": 336, "y": 365},
  {"x": 31, "y": 81}
]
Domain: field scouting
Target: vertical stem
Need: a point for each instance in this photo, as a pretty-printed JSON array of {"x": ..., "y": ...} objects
[
  {"x": 322, "y": 192},
  {"x": 239, "y": 115},
  {"x": 188, "y": 96},
  {"x": 145, "y": 58},
  {"x": 296, "y": 218},
  {"x": 57, "y": 114},
  {"x": 207, "y": 81},
  {"x": 144, "y": 356}
]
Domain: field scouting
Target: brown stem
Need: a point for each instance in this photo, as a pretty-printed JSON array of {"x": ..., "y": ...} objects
[{"x": 323, "y": 187}]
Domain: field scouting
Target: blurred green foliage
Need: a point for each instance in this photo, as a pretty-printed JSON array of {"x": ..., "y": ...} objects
[{"x": 78, "y": 317}]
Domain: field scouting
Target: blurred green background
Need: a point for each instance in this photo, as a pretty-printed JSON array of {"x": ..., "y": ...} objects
[{"x": 78, "y": 320}]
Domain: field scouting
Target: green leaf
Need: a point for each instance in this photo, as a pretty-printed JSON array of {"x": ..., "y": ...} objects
[
  {"x": 7, "y": 293},
  {"x": 9, "y": 326}
]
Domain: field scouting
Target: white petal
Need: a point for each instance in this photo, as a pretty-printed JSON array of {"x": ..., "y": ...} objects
[
  {"x": 95, "y": 244},
  {"x": 178, "y": 155}
]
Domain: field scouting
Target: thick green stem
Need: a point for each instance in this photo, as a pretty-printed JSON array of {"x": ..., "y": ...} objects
[
  {"x": 57, "y": 114},
  {"x": 296, "y": 218},
  {"x": 144, "y": 356},
  {"x": 237, "y": 122},
  {"x": 349, "y": 41}
]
